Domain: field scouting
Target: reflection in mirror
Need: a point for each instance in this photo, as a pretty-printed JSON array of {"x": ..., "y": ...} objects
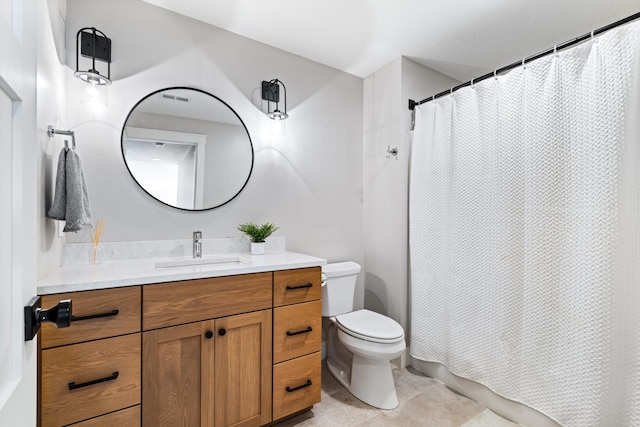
[{"x": 187, "y": 148}]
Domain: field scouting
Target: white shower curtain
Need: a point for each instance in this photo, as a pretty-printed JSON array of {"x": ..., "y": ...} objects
[{"x": 525, "y": 233}]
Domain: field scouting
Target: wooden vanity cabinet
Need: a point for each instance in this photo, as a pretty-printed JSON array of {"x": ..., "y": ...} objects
[{"x": 238, "y": 350}]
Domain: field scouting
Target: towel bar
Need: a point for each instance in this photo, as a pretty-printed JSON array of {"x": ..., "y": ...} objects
[{"x": 51, "y": 132}]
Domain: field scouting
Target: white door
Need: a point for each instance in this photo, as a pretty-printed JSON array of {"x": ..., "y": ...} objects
[{"x": 18, "y": 155}]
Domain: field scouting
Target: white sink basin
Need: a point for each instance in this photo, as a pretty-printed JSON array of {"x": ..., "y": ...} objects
[{"x": 221, "y": 260}]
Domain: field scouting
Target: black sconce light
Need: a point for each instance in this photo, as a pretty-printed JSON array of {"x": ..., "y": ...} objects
[
  {"x": 92, "y": 43},
  {"x": 271, "y": 93}
]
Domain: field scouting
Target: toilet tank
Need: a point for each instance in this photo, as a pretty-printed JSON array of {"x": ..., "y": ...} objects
[{"x": 338, "y": 290}]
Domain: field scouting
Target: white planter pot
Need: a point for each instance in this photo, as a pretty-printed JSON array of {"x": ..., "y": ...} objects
[{"x": 257, "y": 248}]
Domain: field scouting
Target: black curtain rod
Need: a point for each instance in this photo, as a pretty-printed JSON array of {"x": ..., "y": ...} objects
[{"x": 557, "y": 48}]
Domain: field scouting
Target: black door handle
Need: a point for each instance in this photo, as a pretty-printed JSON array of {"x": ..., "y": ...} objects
[
  {"x": 60, "y": 314},
  {"x": 34, "y": 316},
  {"x": 222, "y": 332}
]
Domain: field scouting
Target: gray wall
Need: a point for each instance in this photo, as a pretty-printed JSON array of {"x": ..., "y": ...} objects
[{"x": 307, "y": 175}]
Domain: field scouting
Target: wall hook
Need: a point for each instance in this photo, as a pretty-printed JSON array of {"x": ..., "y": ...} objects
[{"x": 392, "y": 152}]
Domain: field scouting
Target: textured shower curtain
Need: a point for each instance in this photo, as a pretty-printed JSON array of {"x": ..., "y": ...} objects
[{"x": 525, "y": 233}]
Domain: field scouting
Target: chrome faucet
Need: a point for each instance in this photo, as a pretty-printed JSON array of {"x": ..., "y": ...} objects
[{"x": 197, "y": 244}]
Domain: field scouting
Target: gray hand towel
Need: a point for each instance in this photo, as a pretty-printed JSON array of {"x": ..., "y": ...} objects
[
  {"x": 60, "y": 197},
  {"x": 71, "y": 201},
  {"x": 78, "y": 212}
]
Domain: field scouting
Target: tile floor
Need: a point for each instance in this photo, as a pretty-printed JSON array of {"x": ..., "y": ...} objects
[{"x": 423, "y": 402}]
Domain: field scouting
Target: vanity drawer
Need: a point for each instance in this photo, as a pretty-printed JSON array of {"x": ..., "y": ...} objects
[
  {"x": 129, "y": 417},
  {"x": 78, "y": 381},
  {"x": 294, "y": 286},
  {"x": 297, "y": 330},
  {"x": 296, "y": 384},
  {"x": 175, "y": 303},
  {"x": 96, "y": 314}
]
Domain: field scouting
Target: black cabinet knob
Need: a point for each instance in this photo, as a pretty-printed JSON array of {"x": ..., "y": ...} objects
[
  {"x": 208, "y": 334},
  {"x": 222, "y": 332}
]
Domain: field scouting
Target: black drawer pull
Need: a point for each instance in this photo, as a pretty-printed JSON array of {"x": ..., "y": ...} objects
[
  {"x": 304, "y": 331},
  {"x": 94, "y": 316},
  {"x": 292, "y": 389},
  {"x": 308, "y": 285},
  {"x": 73, "y": 385}
]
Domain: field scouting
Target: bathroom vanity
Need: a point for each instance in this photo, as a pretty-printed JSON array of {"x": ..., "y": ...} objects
[{"x": 197, "y": 345}]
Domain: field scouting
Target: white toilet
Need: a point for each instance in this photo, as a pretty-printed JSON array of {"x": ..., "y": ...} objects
[{"x": 361, "y": 343}]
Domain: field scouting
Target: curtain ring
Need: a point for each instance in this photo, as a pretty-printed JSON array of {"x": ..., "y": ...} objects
[
  {"x": 472, "y": 84},
  {"x": 592, "y": 33},
  {"x": 524, "y": 66},
  {"x": 555, "y": 50},
  {"x": 495, "y": 75}
]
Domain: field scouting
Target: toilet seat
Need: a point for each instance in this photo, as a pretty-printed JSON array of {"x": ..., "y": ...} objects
[{"x": 370, "y": 326}]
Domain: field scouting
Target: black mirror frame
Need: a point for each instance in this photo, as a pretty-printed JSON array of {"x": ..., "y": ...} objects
[{"x": 206, "y": 93}]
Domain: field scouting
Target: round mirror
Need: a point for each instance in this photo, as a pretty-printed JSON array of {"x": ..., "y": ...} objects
[{"x": 187, "y": 148}]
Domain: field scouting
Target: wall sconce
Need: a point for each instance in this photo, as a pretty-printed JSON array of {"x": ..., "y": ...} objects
[
  {"x": 271, "y": 93},
  {"x": 92, "y": 43}
]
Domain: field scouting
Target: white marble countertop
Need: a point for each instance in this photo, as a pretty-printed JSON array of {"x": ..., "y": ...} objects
[{"x": 83, "y": 277}]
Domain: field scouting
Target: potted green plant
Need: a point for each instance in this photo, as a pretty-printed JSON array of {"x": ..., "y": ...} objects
[{"x": 258, "y": 234}]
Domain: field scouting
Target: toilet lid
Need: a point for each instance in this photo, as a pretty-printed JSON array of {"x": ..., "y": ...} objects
[{"x": 370, "y": 326}]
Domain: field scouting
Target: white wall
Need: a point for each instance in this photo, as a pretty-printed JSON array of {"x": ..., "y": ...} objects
[
  {"x": 387, "y": 121},
  {"x": 51, "y": 98},
  {"x": 307, "y": 176}
]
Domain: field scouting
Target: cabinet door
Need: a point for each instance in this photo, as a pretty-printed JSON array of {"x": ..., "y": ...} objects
[
  {"x": 243, "y": 370},
  {"x": 96, "y": 314},
  {"x": 296, "y": 384},
  {"x": 85, "y": 380},
  {"x": 296, "y": 286},
  {"x": 177, "y": 376},
  {"x": 297, "y": 330}
]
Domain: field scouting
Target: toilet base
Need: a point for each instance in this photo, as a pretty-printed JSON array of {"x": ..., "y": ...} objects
[{"x": 369, "y": 380}]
